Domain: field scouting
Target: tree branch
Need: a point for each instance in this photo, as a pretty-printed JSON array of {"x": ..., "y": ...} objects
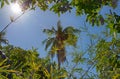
[{"x": 11, "y": 23}]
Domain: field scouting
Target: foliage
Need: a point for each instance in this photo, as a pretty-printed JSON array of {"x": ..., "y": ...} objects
[
  {"x": 2, "y": 38},
  {"x": 4, "y": 68},
  {"x": 102, "y": 56},
  {"x": 59, "y": 39},
  {"x": 26, "y": 64},
  {"x": 114, "y": 22},
  {"x": 108, "y": 59},
  {"x": 91, "y": 8},
  {"x": 3, "y": 2}
]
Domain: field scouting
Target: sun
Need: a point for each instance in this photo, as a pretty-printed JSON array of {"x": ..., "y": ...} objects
[{"x": 15, "y": 8}]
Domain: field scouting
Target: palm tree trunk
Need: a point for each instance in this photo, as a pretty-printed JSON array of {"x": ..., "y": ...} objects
[
  {"x": 61, "y": 55},
  {"x": 58, "y": 56}
]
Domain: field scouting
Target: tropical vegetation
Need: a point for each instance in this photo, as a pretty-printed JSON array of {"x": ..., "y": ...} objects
[{"x": 99, "y": 60}]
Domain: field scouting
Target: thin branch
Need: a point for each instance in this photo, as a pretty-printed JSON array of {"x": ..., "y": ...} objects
[
  {"x": 11, "y": 23},
  {"x": 76, "y": 64},
  {"x": 15, "y": 20},
  {"x": 87, "y": 71},
  {"x": 72, "y": 70}
]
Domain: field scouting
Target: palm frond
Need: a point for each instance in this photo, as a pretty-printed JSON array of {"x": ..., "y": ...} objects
[
  {"x": 49, "y": 42},
  {"x": 54, "y": 29},
  {"x": 52, "y": 53},
  {"x": 54, "y": 48},
  {"x": 71, "y": 34},
  {"x": 5, "y": 41},
  {"x": 2, "y": 38},
  {"x": 72, "y": 40},
  {"x": 44, "y": 41},
  {"x": 71, "y": 30},
  {"x": 49, "y": 31}
]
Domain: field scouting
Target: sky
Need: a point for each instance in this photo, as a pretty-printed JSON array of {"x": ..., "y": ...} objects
[{"x": 26, "y": 32}]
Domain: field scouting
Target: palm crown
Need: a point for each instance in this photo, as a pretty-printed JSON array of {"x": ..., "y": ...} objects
[{"x": 59, "y": 39}]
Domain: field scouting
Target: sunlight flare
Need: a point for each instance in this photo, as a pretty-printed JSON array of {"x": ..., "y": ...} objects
[{"x": 16, "y": 8}]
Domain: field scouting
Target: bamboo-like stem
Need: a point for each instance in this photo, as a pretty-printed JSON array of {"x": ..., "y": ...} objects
[{"x": 11, "y": 23}]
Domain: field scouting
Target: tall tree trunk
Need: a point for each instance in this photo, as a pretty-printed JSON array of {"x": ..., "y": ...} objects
[{"x": 61, "y": 55}]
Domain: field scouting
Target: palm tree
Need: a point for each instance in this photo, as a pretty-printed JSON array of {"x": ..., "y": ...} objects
[
  {"x": 2, "y": 38},
  {"x": 59, "y": 39}
]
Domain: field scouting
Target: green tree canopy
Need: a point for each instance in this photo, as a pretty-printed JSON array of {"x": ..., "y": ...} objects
[
  {"x": 91, "y": 8},
  {"x": 59, "y": 39}
]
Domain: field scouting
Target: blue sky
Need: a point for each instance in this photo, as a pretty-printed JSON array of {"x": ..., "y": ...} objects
[{"x": 26, "y": 32}]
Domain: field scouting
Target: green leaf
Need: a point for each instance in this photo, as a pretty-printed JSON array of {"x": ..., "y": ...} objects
[
  {"x": 49, "y": 31},
  {"x": 2, "y": 3},
  {"x": 6, "y": 1},
  {"x": 1, "y": 63},
  {"x": 49, "y": 42}
]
